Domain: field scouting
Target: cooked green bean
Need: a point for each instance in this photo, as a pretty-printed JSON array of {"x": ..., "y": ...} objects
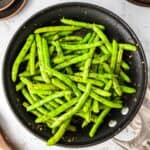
[
  {"x": 86, "y": 38},
  {"x": 87, "y": 105},
  {"x": 47, "y": 99},
  {"x": 54, "y": 104},
  {"x": 114, "y": 55},
  {"x": 58, "y": 48},
  {"x": 46, "y": 55},
  {"x": 95, "y": 106},
  {"x": 119, "y": 60},
  {"x": 89, "y": 60},
  {"x": 107, "y": 68},
  {"x": 59, "y": 101},
  {"x": 40, "y": 58},
  {"x": 125, "y": 77},
  {"x": 37, "y": 65},
  {"x": 49, "y": 107},
  {"x": 60, "y": 132},
  {"x": 127, "y": 89},
  {"x": 47, "y": 34},
  {"x": 39, "y": 91},
  {"x": 91, "y": 39},
  {"x": 81, "y": 46},
  {"x": 103, "y": 37},
  {"x": 99, "y": 121},
  {"x": 101, "y": 59},
  {"x": 27, "y": 96},
  {"x": 56, "y": 28},
  {"x": 71, "y": 38},
  {"x": 21, "y": 55},
  {"x": 92, "y": 81},
  {"x": 65, "y": 33},
  {"x": 59, "y": 84},
  {"x": 26, "y": 58},
  {"x": 125, "y": 66},
  {"x": 101, "y": 92},
  {"x": 38, "y": 78},
  {"x": 84, "y": 123},
  {"x": 80, "y": 23},
  {"x": 104, "y": 50},
  {"x": 19, "y": 86},
  {"x": 35, "y": 112},
  {"x": 58, "y": 60},
  {"x": 27, "y": 73},
  {"x": 72, "y": 61},
  {"x": 69, "y": 70},
  {"x": 52, "y": 38},
  {"x": 108, "y": 85},
  {"x": 25, "y": 81},
  {"x": 76, "y": 52},
  {"x": 100, "y": 69},
  {"x": 42, "y": 86},
  {"x": 117, "y": 87},
  {"x": 32, "y": 57},
  {"x": 128, "y": 47},
  {"x": 72, "y": 128},
  {"x": 51, "y": 50}
]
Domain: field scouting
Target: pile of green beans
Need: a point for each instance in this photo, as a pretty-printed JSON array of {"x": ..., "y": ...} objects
[{"x": 63, "y": 74}]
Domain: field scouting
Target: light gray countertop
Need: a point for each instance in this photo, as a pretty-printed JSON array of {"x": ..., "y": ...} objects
[{"x": 137, "y": 17}]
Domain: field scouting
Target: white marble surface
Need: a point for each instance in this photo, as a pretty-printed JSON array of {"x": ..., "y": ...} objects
[{"x": 137, "y": 17}]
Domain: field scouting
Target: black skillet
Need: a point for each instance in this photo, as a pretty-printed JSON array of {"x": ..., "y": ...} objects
[
  {"x": 115, "y": 28},
  {"x": 13, "y": 9},
  {"x": 4, "y": 4}
]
